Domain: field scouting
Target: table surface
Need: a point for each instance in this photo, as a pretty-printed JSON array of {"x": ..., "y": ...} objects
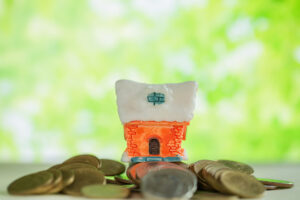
[{"x": 291, "y": 172}]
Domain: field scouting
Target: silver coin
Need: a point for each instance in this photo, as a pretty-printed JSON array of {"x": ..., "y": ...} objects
[{"x": 169, "y": 183}]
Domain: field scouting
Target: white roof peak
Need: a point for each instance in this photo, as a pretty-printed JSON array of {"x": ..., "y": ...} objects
[{"x": 155, "y": 102}]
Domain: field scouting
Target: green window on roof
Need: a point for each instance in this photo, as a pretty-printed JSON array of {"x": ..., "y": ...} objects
[{"x": 156, "y": 98}]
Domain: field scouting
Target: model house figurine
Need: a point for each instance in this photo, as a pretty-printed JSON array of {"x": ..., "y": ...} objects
[{"x": 155, "y": 118}]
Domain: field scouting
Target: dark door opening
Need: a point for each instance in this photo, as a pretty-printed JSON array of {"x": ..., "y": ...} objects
[{"x": 154, "y": 146}]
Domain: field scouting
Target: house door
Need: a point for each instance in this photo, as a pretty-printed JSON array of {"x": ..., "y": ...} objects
[{"x": 154, "y": 146}]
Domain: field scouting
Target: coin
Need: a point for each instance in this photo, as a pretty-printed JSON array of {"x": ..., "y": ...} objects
[
  {"x": 67, "y": 179},
  {"x": 277, "y": 183},
  {"x": 123, "y": 179},
  {"x": 242, "y": 167},
  {"x": 35, "y": 183},
  {"x": 111, "y": 167},
  {"x": 199, "y": 165},
  {"x": 57, "y": 181},
  {"x": 83, "y": 177},
  {"x": 169, "y": 183},
  {"x": 131, "y": 173},
  {"x": 197, "y": 169},
  {"x": 105, "y": 191},
  {"x": 241, "y": 184},
  {"x": 71, "y": 166},
  {"x": 85, "y": 158},
  {"x": 209, "y": 174}
]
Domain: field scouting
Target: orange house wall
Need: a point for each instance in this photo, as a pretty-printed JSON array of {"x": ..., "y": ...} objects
[{"x": 170, "y": 135}]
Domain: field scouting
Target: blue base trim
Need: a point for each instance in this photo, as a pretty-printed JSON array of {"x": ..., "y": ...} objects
[
  {"x": 156, "y": 158},
  {"x": 138, "y": 159},
  {"x": 149, "y": 159},
  {"x": 172, "y": 159}
]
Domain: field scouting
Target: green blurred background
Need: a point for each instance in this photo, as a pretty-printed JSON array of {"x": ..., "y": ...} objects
[{"x": 59, "y": 61}]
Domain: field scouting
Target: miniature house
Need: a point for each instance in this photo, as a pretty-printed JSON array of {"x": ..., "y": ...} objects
[{"x": 155, "y": 118}]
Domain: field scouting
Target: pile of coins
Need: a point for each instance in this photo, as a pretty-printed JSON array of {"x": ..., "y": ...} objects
[
  {"x": 227, "y": 177},
  {"x": 89, "y": 176},
  {"x": 232, "y": 178},
  {"x": 82, "y": 175}
]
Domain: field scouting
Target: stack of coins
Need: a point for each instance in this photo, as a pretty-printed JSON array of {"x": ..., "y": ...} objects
[
  {"x": 228, "y": 177},
  {"x": 233, "y": 178},
  {"x": 88, "y": 176}
]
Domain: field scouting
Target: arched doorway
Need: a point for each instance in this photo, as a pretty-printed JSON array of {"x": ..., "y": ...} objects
[{"x": 154, "y": 147}]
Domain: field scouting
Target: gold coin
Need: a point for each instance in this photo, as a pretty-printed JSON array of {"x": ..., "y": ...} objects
[
  {"x": 199, "y": 165},
  {"x": 208, "y": 173},
  {"x": 67, "y": 179},
  {"x": 197, "y": 169},
  {"x": 213, "y": 168},
  {"x": 85, "y": 158},
  {"x": 83, "y": 177},
  {"x": 105, "y": 191},
  {"x": 111, "y": 167},
  {"x": 241, "y": 184},
  {"x": 123, "y": 179},
  {"x": 202, "y": 183},
  {"x": 242, "y": 167},
  {"x": 71, "y": 166},
  {"x": 35, "y": 183},
  {"x": 57, "y": 180},
  {"x": 219, "y": 173}
]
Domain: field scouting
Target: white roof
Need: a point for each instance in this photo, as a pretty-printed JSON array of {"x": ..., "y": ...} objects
[{"x": 179, "y": 101}]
